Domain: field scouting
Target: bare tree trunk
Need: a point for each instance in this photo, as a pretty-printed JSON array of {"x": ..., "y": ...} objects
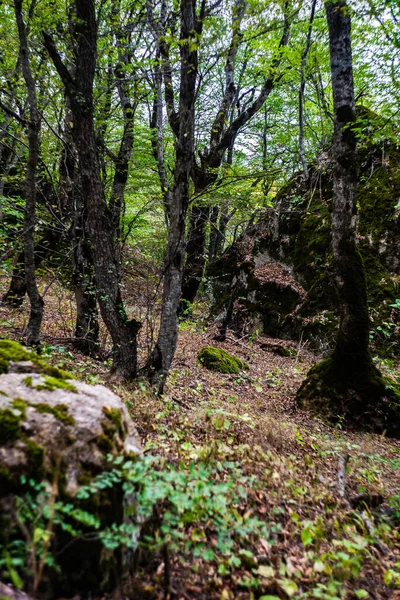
[
  {"x": 347, "y": 384},
  {"x": 196, "y": 256},
  {"x": 36, "y": 301},
  {"x": 15, "y": 294},
  {"x": 179, "y": 202},
  {"x": 72, "y": 206},
  {"x": 122, "y": 160}
]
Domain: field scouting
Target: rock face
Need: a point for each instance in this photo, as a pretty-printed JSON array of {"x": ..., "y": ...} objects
[
  {"x": 49, "y": 421},
  {"x": 80, "y": 423},
  {"x": 278, "y": 272}
]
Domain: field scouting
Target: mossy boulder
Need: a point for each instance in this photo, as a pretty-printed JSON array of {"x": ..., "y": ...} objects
[
  {"x": 361, "y": 398},
  {"x": 217, "y": 359},
  {"x": 48, "y": 423},
  {"x": 279, "y": 272}
]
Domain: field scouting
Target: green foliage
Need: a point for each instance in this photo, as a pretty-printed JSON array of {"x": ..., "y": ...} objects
[{"x": 195, "y": 503}]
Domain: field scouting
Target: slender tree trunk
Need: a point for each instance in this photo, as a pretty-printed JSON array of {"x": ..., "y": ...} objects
[
  {"x": 122, "y": 160},
  {"x": 184, "y": 150},
  {"x": 212, "y": 244},
  {"x": 36, "y": 301},
  {"x": 72, "y": 206},
  {"x": 349, "y": 275},
  {"x": 221, "y": 139},
  {"x": 301, "y": 92},
  {"x": 196, "y": 255},
  {"x": 15, "y": 294}
]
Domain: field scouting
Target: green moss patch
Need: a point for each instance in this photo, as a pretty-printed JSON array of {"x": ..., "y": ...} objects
[
  {"x": 217, "y": 359},
  {"x": 364, "y": 399},
  {"x": 11, "y": 351},
  {"x": 115, "y": 417},
  {"x": 10, "y": 422},
  {"x": 53, "y": 383},
  {"x": 60, "y": 412}
]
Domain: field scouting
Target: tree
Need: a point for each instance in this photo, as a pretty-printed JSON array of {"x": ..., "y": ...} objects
[
  {"x": 36, "y": 301},
  {"x": 347, "y": 384},
  {"x": 221, "y": 137},
  {"x": 182, "y": 123},
  {"x": 79, "y": 88}
]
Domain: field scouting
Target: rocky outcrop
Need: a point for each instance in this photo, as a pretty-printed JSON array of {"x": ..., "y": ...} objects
[
  {"x": 52, "y": 426},
  {"x": 278, "y": 272}
]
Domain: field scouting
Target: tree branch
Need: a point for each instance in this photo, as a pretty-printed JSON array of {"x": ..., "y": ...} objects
[{"x": 62, "y": 70}]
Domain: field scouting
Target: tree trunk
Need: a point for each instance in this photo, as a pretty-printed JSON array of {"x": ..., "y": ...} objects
[
  {"x": 347, "y": 384},
  {"x": 122, "y": 160},
  {"x": 221, "y": 139},
  {"x": 86, "y": 333},
  {"x": 301, "y": 93},
  {"x": 196, "y": 256},
  {"x": 212, "y": 244},
  {"x": 15, "y": 294},
  {"x": 179, "y": 201},
  {"x": 80, "y": 90},
  {"x": 36, "y": 301}
]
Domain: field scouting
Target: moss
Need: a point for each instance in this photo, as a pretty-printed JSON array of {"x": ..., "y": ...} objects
[
  {"x": 11, "y": 351},
  {"x": 60, "y": 412},
  {"x": 114, "y": 415},
  {"x": 217, "y": 359},
  {"x": 104, "y": 443},
  {"x": 3, "y": 393},
  {"x": 285, "y": 351},
  {"x": 9, "y": 425},
  {"x": 364, "y": 399},
  {"x": 52, "y": 383},
  {"x": 28, "y": 381},
  {"x": 20, "y": 404},
  {"x": 35, "y": 457}
]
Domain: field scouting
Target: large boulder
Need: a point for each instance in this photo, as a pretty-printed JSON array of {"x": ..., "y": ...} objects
[
  {"x": 52, "y": 425},
  {"x": 279, "y": 271}
]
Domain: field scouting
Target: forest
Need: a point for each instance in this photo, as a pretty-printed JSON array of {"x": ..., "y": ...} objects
[{"x": 199, "y": 299}]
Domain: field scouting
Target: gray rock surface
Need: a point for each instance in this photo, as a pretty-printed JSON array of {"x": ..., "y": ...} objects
[{"x": 82, "y": 426}]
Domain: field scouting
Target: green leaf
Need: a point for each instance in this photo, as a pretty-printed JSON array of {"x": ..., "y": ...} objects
[{"x": 265, "y": 571}]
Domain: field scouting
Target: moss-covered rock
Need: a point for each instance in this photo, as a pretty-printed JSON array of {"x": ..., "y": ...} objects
[
  {"x": 48, "y": 425},
  {"x": 217, "y": 359},
  {"x": 16, "y": 358},
  {"x": 291, "y": 244},
  {"x": 363, "y": 399}
]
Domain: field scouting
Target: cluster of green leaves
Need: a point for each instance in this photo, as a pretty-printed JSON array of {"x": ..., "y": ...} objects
[{"x": 195, "y": 509}]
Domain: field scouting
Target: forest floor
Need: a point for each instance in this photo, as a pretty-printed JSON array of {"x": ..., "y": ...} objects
[{"x": 327, "y": 540}]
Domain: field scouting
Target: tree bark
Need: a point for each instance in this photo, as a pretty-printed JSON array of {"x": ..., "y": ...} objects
[
  {"x": 349, "y": 275},
  {"x": 184, "y": 149},
  {"x": 80, "y": 90},
  {"x": 122, "y": 160},
  {"x": 15, "y": 294},
  {"x": 36, "y": 301},
  {"x": 301, "y": 92}
]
